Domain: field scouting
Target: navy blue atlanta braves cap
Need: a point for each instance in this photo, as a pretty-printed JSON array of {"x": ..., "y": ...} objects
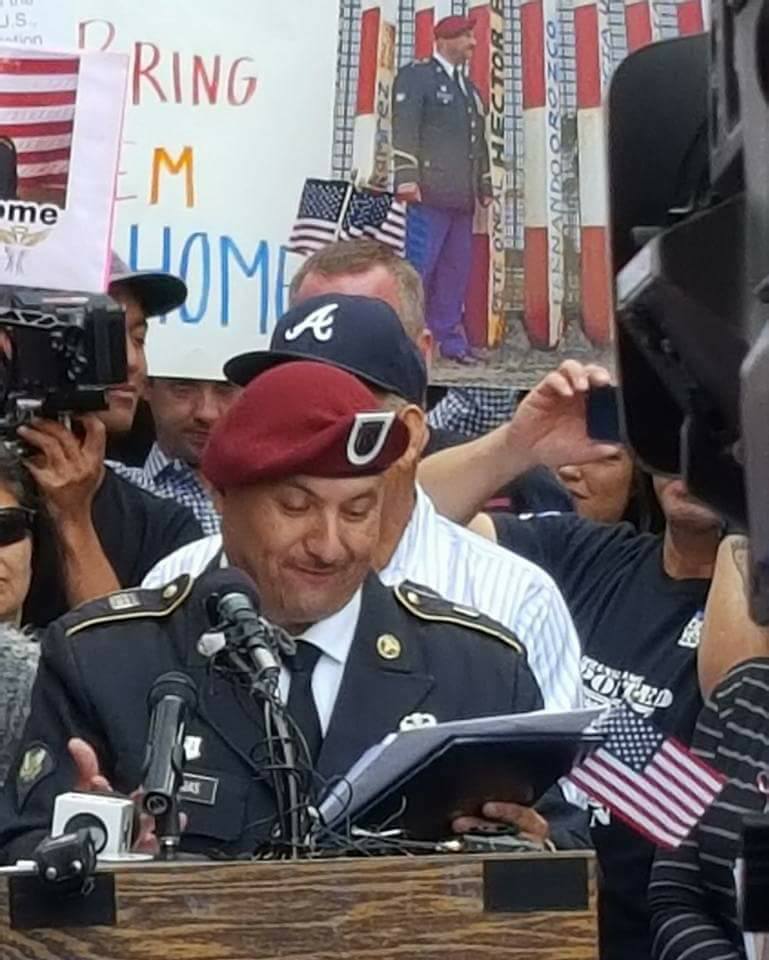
[{"x": 358, "y": 334}]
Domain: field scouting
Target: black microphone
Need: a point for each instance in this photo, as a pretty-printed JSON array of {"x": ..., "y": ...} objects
[
  {"x": 172, "y": 699},
  {"x": 233, "y": 607}
]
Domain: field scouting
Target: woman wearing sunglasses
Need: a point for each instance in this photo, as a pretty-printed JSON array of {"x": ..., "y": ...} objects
[{"x": 27, "y": 556}]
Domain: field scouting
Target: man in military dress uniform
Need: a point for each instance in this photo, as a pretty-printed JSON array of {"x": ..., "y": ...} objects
[
  {"x": 441, "y": 169},
  {"x": 298, "y": 463}
]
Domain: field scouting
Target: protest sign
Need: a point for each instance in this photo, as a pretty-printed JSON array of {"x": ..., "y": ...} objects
[
  {"x": 229, "y": 108},
  {"x": 60, "y": 121}
]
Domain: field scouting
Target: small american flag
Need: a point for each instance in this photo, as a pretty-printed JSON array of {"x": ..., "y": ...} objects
[
  {"x": 37, "y": 112},
  {"x": 332, "y": 210},
  {"x": 652, "y": 782}
]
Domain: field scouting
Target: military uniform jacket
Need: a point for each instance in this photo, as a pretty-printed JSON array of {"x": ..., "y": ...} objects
[
  {"x": 99, "y": 662},
  {"x": 439, "y": 138}
]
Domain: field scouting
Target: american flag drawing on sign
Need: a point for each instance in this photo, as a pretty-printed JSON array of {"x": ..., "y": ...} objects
[
  {"x": 652, "y": 782},
  {"x": 37, "y": 113},
  {"x": 332, "y": 210}
]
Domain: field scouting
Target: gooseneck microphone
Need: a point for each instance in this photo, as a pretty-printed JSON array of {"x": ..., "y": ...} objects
[
  {"x": 247, "y": 648},
  {"x": 246, "y": 628},
  {"x": 232, "y": 606},
  {"x": 172, "y": 701}
]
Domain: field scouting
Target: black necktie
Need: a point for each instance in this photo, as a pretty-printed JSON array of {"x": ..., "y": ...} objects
[
  {"x": 301, "y": 703},
  {"x": 458, "y": 80}
]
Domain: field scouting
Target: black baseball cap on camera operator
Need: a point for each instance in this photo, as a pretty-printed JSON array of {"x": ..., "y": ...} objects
[
  {"x": 361, "y": 335},
  {"x": 157, "y": 292}
]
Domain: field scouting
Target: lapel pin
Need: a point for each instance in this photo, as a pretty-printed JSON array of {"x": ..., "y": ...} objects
[{"x": 388, "y": 646}]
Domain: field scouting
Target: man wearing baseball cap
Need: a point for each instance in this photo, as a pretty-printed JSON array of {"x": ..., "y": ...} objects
[
  {"x": 441, "y": 170},
  {"x": 110, "y": 532},
  {"x": 298, "y": 462}
]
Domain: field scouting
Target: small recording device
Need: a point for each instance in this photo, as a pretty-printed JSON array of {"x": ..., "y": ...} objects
[
  {"x": 108, "y": 819},
  {"x": 602, "y": 415},
  {"x": 59, "y": 354}
]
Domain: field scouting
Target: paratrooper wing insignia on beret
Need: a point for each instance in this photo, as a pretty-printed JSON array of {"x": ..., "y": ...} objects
[
  {"x": 134, "y": 604},
  {"x": 428, "y": 605}
]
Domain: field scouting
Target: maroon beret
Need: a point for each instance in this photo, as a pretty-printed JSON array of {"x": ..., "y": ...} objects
[
  {"x": 302, "y": 418},
  {"x": 450, "y": 27}
]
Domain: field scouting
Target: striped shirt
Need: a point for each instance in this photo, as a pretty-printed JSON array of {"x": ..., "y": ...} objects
[
  {"x": 691, "y": 894},
  {"x": 465, "y": 569},
  {"x": 174, "y": 480}
]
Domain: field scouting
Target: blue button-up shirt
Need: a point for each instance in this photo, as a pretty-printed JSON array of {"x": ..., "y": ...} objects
[{"x": 175, "y": 480}]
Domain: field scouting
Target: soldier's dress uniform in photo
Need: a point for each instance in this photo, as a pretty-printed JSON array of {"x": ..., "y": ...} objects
[{"x": 439, "y": 144}]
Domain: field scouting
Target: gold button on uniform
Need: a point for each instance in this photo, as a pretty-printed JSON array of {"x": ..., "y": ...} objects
[
  {"x": 170, "y": 591},
  {"x": 388, "y": 647}
]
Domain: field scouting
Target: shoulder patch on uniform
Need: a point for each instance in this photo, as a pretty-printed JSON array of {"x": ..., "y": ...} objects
[
  {"x": 429, "y": 605},
  {"x": 36, "y": 763},
  {"x": 136, "y": 604}
]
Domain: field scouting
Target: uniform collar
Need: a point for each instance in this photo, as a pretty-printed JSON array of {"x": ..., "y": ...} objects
[
  {"x": 333, "y": 636},
  {"x": 448, "y": 67}
]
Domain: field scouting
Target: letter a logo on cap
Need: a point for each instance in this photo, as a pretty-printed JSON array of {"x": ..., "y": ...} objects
[
  {"x": 367, "y": 437},
  {"x": 320, "y": 321}
]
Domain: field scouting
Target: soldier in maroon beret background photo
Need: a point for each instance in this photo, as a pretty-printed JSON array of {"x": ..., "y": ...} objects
[{"x": 441, "y": 161}]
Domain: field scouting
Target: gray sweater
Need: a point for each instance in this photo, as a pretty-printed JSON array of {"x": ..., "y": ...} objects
[{"x": 18, "y": 665}]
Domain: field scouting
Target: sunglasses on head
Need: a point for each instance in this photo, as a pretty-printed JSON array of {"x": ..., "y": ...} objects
[{"x": 15, "y": 524}]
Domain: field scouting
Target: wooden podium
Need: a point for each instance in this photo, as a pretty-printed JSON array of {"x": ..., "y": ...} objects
[{"x": 480, "y": 907}]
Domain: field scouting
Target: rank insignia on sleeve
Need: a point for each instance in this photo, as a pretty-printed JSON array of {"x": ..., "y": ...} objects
[{"x": 36, "y": 764}]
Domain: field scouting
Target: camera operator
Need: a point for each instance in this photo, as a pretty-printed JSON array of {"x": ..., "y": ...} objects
[
  {"x": 110, "y": 532},
  {"x": 692, "y": 895}
]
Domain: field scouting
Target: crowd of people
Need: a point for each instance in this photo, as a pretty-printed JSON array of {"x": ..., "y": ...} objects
[{"x": 428, "y": 566}]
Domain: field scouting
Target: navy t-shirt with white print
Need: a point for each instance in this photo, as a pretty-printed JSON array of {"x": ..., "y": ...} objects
[{"x": 639, "y": 631}]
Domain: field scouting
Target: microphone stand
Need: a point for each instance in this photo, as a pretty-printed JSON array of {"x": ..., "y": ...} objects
[
  {"x": 262, "y": 647},
  {"x": 168, "y": 830}
]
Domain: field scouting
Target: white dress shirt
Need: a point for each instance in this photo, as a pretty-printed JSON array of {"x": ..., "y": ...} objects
[
  {"x": 333, "y": 637},
  {"x": 465, "y": 569}
]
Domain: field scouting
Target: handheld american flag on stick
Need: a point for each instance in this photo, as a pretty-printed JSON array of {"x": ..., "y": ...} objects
[
  {"x": 652, "y": 782},
  {"x": 37, "y": 113},
  {"x": 332, "y": 210}
]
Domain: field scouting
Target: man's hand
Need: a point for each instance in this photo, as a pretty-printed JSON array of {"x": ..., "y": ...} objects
[
  {"x": 409, "y": 193},
  {"x": 531, "y": 826},
  {"x": 550, "y": 423},
  {"x": 67, "y": 470},
  {"x": 91, "y": 779}
]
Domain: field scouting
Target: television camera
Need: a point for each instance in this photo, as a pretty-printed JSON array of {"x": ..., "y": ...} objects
[{"x": 59, "y": 354}]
